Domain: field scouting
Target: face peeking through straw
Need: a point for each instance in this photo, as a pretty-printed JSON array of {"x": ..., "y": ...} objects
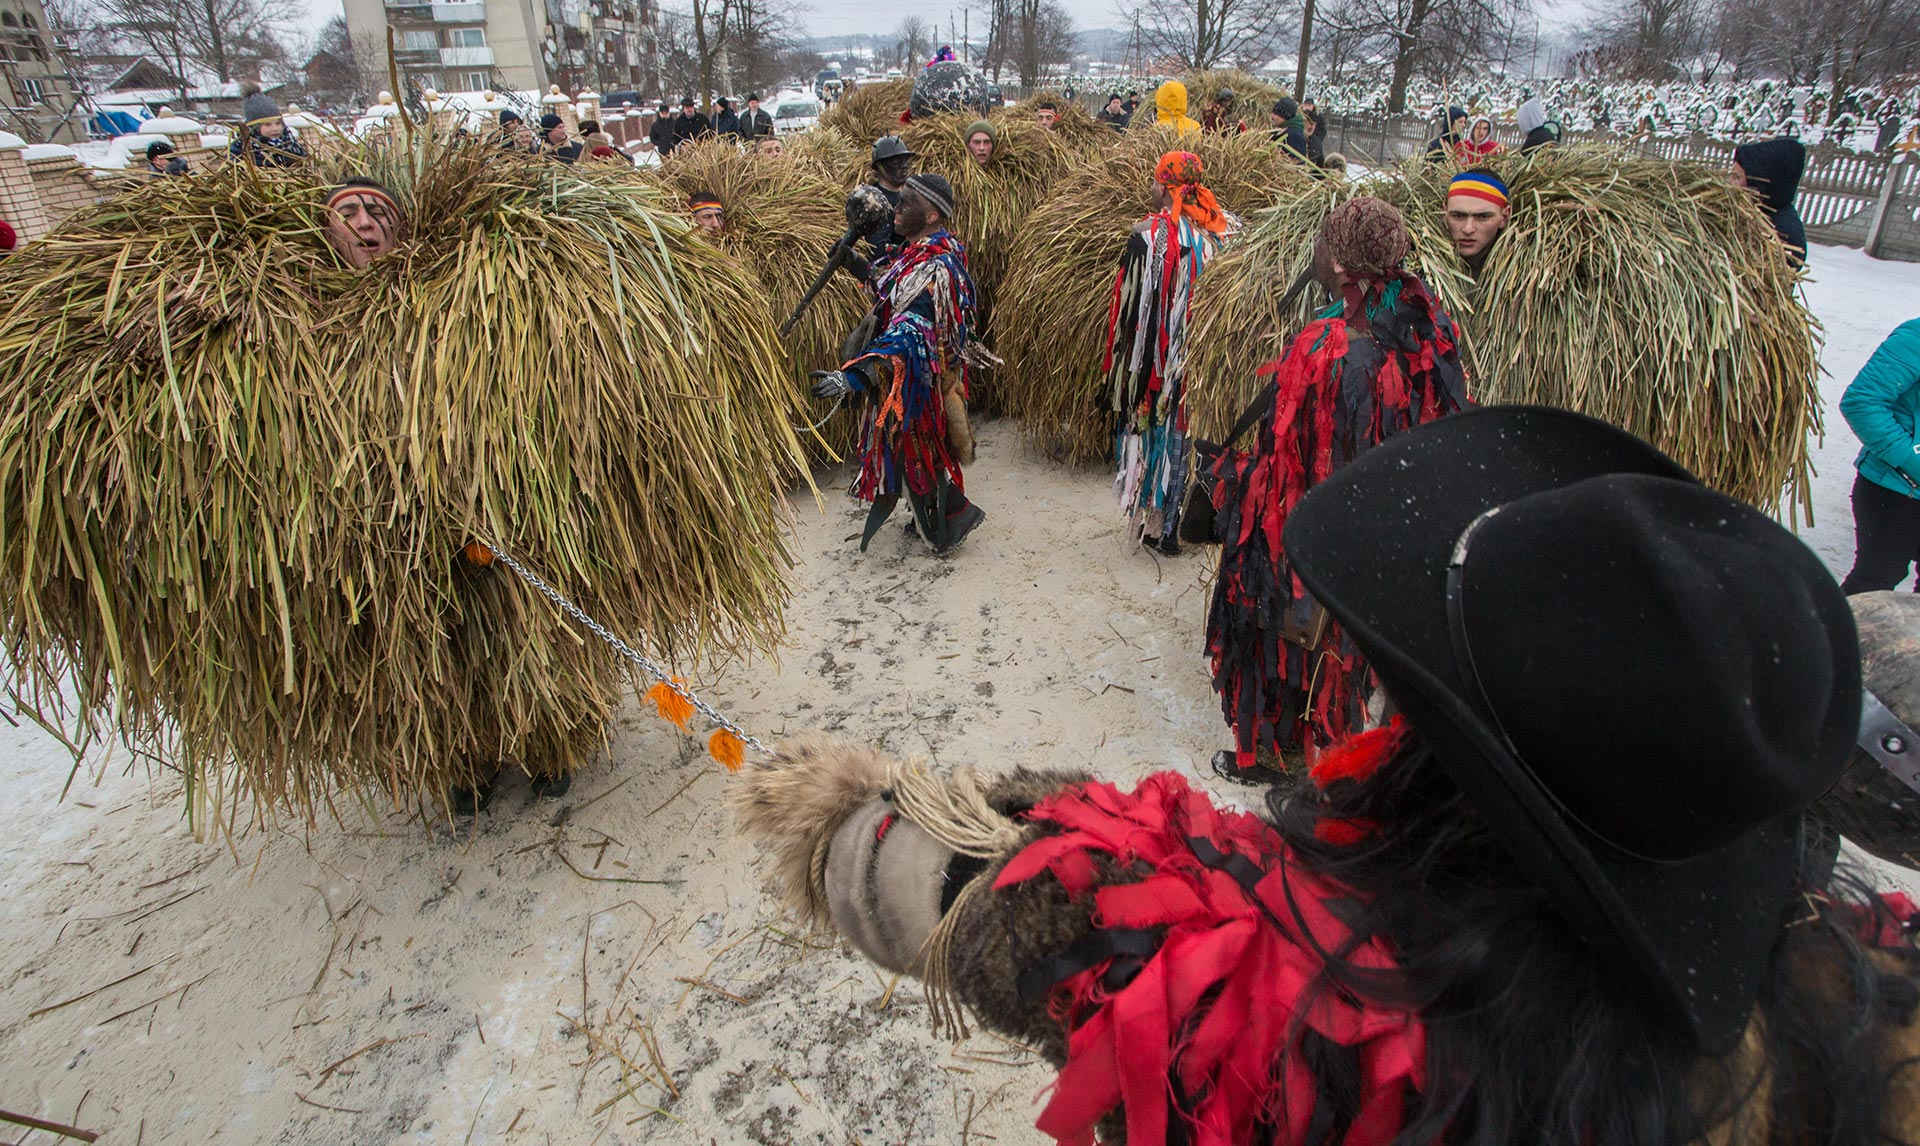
[{"x": 363, "y": 221}]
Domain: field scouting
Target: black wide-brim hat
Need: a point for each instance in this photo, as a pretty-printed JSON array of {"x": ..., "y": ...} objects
[{"x": 1638, "y": 681}]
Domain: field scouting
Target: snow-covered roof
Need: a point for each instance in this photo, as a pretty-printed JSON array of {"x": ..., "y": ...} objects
[
  {"x": 170, "y": 125},
  {"x": 10, "y": 140},
  {"x": 35, "y": 151}
]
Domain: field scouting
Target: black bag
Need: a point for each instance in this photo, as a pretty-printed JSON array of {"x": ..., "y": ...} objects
[{"x": 1198, "y": 521}]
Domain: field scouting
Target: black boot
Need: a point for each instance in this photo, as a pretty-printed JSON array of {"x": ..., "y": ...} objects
[
  {"x": 1226, "y": 765},
  {"x": 551, "y": 787},
  {"x": 959, "y": 525},
  {"x": 465, "y": 801}
]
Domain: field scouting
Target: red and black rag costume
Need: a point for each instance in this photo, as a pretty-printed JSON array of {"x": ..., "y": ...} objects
[
  {"x": 1167, "y": 954},
  {"x": 914, "y": 436},
  {"x": 1382, "y": 360}
]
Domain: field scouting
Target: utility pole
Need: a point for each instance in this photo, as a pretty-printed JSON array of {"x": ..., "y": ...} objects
[{"x": 1306, "y": 43}]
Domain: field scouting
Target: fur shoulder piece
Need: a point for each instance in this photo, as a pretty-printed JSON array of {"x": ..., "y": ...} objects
[{"x": 796, "y": 801}]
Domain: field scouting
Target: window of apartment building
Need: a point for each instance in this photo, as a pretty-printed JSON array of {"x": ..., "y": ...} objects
[
  {"x": 476, "y": 81},
  {"x": 469, "y": 37},
  {"x": 35, "y": 90},
  {"x": 420, "y": 40}
]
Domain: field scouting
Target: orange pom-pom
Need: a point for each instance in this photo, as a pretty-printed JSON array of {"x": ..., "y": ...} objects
[
  {"x": 727, "y": 748},
  {"x": 671, "y": 704},
  {"x": 478, "y": 553}
]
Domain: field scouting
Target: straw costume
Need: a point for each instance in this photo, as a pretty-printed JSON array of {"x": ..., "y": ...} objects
[
  {"x": 914, "y": 433},
  {"x": 1146, "y": 361},
  {"x": 1437, "y": 939},
  {"x": 1383, "y": 359},
  {"x": 269, "y": 583}
]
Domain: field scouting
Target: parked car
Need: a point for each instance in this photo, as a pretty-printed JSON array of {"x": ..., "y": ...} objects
[{"x": 793, "y": 113}]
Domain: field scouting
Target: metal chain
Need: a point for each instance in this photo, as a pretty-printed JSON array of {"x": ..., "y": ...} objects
[
  {"x": 837, "y": 403},
  {"x": 647, "y": 665}
]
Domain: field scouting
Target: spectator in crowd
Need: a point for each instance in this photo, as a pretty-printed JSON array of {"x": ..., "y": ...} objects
[
  {"x": 1316, "y": 133},
  {"x": 981, "y": 140},
  {"x": 1771, "y": 169},
  {"x": 1218, "y": 114},
  {"x": 555, "y": 144},
  {"x": 515, "y": 135},
  {"x": 709, "y": 214},
  {"x": 1479, "y": 145},
  {"x": 690, "y": 125},
  {"x": 1882, "y": 405},
  {"x": 1115, "y": 114},
  {"x": 755, "y": 124},
  {"x": 1132, "y": 105},
  {"x": 266, "y": 141},
  {"x": 1535, "y": 127},
  {"x": 364, "y": 221},
  {"x": 1047, "y": 113},
  {"x": 1477, "y": 211},
  {"x": 1289, "y": 130},
  {"x": 162, "y": 162},
  {"x": 661, "y": 133},
  {"x": 1453, "y": 128},
  {"x": 726, "y": 124}
]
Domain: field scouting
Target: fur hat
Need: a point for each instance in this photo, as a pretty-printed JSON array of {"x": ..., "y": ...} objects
[{"x": 1367, "y": 237}]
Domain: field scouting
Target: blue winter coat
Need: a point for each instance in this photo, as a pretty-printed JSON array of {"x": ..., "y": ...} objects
[{"x": 1883, "y": 406}]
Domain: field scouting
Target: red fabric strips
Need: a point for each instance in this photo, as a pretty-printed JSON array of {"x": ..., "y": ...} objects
[{"x": 1222, "y": 1007}]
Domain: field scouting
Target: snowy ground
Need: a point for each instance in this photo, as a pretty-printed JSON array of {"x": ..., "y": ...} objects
[{"x": 375, "y": 983}]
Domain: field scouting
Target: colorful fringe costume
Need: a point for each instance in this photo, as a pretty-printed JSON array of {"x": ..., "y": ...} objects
[
  {"x": 914, "y": 434},
  {"x": 1146, "y": 347},
  {"x": 1342, "y": 386}
]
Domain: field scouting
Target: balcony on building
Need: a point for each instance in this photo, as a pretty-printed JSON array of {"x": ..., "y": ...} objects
[
  {"x": 470, "y": 13},
  {"x": 467, "y": 57}
]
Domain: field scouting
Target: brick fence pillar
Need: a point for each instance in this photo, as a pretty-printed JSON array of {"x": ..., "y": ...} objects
[{"x": 20, "y": 202}]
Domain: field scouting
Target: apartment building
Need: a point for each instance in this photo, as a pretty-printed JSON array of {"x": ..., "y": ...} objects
[
  {"x": 465, "y": 45},
  {"x": 36, "y": 92}
]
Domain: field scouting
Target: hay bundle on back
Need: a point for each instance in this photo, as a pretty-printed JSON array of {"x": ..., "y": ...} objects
[
  {"x": 1074, "y": 126},
  {"x": 831, "y": 153},
  {"x": 871, "y": 110},
  {"x": 1648, "y": 294},
  {"x": 240, "y": 477},
  {"x": 1253, "y": 98},
  {"x": 1054, "y": 302},
  {"x": 782, "y": 217}
]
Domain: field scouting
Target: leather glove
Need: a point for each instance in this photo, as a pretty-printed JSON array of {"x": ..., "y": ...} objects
[{"x": 832, "y": 384}]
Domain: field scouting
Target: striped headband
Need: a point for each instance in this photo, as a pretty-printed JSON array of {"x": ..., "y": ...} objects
[
  {"x": 699, "y": 205},
  {"x": 1479, "y": 185},
  {"x": 352, "y": 189}
]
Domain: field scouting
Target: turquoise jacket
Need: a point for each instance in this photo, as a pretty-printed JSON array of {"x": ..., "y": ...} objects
[{"x": 1883, "y": 407}]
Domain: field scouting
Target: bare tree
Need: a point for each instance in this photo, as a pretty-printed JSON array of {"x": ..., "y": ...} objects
[
  {"x": 1203, "y": 34},
  {"x": 765, "y": 38},
  {"x": 1431, "y": 38},
  {"x": 190, "y": 35},
  {"x": 1042, "y": 38},
  {"x": 706, "y": 31},
  {"x": 913, "y": 42}
]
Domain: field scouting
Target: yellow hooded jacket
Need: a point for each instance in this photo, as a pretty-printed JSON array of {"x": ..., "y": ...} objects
[{"x": 1170, "y": 106}]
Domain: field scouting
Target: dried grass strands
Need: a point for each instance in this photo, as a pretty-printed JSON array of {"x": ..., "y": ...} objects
[
  {"x": 1054, "y": 303},
  {"x": 831, "y": 152},
  {"x": 1648, "y": 294},
  {"x": 782, "y": 218},
  {"x": 239, "y": 477},
  {"x": 1253, "y": 98},
  {"x": 870, "y": 110},
  {"x": 1074, "y": 127}
]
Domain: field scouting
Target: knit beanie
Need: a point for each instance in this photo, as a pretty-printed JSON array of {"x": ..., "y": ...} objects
[
  {"x": 978, "y": 126},
  {"x": 258, "y": 108},
  {"x": 550, "y": 121},
  {"x": 1367, "y": 236},
  {"x": 1285, "y": 108},
  {"x": 509, "y": 117}
]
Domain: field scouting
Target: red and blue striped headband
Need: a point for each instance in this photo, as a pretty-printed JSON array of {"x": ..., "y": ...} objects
[{"x": 1479, "y": 185}]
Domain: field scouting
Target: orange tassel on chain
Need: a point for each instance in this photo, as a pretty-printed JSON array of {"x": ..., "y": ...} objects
[
  {"x": 728, "y": 749},
  {"x": 671, "y": 704}
]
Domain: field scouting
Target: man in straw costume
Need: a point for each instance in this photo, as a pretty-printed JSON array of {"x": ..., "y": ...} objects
[
  {"x": 1146, "y": 361},
  {"x": 1528, "y": 910},
  {"x": 1477, "y": 211},
  {"x": 364, "y": 221},
  {"x": 912, "y": 377},
  {"x": 1383, "y": 359}
]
